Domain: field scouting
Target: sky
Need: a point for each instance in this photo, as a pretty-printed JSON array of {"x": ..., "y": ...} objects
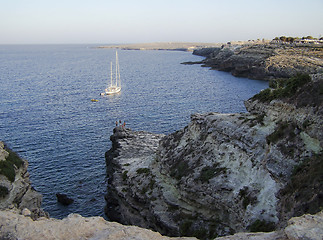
[{"x": 141, "y": 21}]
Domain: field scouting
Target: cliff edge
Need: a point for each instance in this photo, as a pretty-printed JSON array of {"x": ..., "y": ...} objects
[
  {"x": 14, "y": 226},
  {"x": 16, "y": 191},
  {"x": 264, "y": 61},
  {"x": 224, "y": 173}
]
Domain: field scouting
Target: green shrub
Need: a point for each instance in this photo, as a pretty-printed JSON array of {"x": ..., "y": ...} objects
[
  {"x": 305, "y": 186},
  {"x": 151, "y": 184},
  {"x": 263, "y": 96},
  {"x": 284, "y": 129},
  {"x": 143, "y": 171},
  {"x": 124, "y": 175},
  {"x": 185, "y": 227},
  {"x": 180, "y": 170},
  {"x": 209, "y": 172},
  {"x": 246, "y": 197},
  {"x": 321, "y": 89},
  {"x": 14, "y": 158},
  {"x": 283, "y": 89},
  {"x": 277, "y": 134},
  {"x": 7, "y": 169},
  {"x": 262, "y": 226},
  {"x": 144, "y": 190},
  {"x": 3, "y": 191}
]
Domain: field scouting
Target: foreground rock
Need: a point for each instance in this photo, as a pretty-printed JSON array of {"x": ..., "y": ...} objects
[
  {"x": 15, "y": 226},
  {"x": 16, "y": 190},
  {"x": 264, "y": 61},
  {"x": 223, "y": 173}
]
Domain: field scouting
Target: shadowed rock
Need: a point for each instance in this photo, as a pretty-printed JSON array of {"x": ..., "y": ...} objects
[{"x": 64, "y": 199}]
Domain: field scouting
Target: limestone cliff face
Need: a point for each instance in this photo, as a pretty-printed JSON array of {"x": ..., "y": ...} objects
[
  {"x": 221, "y": 174},
  {"x": 16, "y": 189},
  {"x": 15, "y": 226},
  {"x": 264, "y": 61}
]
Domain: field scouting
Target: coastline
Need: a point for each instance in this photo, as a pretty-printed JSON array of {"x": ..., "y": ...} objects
[
  {"x": 167, "y": 46},
  {"x": 260, "y": 59},
  {"x": 247, "y": 194}
]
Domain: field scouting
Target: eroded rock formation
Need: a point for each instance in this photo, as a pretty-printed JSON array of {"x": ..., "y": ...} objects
[
  {"x": 16, "y": 190},
  {"x": 223, "y": 173}
]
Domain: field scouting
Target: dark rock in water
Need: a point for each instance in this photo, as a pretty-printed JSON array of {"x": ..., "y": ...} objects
[{"x": 64, "y": 199}]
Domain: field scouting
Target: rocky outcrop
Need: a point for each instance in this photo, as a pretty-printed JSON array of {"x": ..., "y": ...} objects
[
  {"x": 64, "y": 199},
  {"x": 223, "y": 173},
  {"x": 16, "y": 190},
  {"x": 264, "y": 61},
  {"x": 15, "y": 226},
  {"x": 127, "y": 162}
]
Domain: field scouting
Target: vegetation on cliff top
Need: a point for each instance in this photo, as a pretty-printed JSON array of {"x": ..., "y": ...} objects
[
  {"x": 304, "y": 192},
  {"x": 292, "y": 39},
  {"x": 282, "y": 88},
  {"x": 7, "y": 167}
]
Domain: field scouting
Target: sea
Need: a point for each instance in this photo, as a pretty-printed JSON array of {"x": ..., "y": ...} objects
[{"x": 48, "y": 118}]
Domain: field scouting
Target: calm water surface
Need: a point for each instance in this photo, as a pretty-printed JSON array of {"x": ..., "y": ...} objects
[{"x": 47, "y": 116}]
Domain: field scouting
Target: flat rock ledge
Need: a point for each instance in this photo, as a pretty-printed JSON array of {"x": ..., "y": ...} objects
[{"x": 14, "y": 226}]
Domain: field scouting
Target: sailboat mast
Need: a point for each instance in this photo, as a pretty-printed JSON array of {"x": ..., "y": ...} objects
[
  {"x": 111, "y": 74},
  {"x": 116, "y": 68}
]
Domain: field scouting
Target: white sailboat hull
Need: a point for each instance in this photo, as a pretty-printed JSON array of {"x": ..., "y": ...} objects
[{"x": 111, "y": 90}]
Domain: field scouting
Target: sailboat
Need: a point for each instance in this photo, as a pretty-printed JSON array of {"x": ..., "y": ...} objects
[{"x": 115, "y": 83}]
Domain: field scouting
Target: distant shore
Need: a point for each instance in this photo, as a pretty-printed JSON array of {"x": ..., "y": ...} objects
[
  {"x": 170, "y": 46},
  {"x": 178, "y": 46}
]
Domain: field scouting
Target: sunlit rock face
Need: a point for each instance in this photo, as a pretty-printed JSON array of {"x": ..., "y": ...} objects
[
  {"x": 16, "y": 189},
  {"x": 223, "y": 173}
]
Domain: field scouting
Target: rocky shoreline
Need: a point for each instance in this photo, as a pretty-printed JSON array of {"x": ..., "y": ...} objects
[
  {"x": 15, "y": 226},
  {"x": 223, "y": 173},
  {"x": 263, "y": 61},
  {"x": 18, "y": 222}
]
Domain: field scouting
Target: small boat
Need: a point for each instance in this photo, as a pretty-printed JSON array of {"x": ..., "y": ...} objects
[
  {"x": 115, "y": 83},
  {"x": 94, "y": 100}
]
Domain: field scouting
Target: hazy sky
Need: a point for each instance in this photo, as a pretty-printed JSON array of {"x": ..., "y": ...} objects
[{"x": 136, "y": 21}]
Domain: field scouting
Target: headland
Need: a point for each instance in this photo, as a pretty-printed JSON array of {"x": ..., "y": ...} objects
[
  {"x": 169, "y": 46},
  {"x": 264, "y": 61}
]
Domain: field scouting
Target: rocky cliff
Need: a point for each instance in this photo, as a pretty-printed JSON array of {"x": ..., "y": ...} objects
[
  {"x": 264, "y": 61},
  {"x": 18, "y": 222},
  {"x": 14, "y": 226},
  {"x": 16, "y": 191},
  {"x": 224, "y": 173}
]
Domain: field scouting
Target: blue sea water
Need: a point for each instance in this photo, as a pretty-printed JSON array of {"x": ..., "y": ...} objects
[{"x": 47, "y": 116}]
